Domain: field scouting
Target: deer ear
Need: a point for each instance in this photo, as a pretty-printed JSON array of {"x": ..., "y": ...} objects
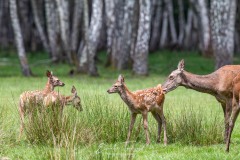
[
  {"x": 121, "y": 78},
  {"x": 48, "y": 73},
  {"x": 181, "y": 65},
  {"x": 74, "y": 89}
]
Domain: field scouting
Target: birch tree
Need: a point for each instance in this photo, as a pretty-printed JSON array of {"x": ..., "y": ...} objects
[
  {"x": 53, "y": 30},
  {"x": 204, "y": 23},
  {"x": 222, "y": 30},
  {"x": 63, "y": 14},
  {"x": 92, "y": 34},
  {"x": 140, "y": 57},
  {"x": 19, "y": 39}
]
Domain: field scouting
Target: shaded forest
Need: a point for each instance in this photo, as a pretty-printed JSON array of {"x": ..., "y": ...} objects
[{"x": 73, "y": 31}]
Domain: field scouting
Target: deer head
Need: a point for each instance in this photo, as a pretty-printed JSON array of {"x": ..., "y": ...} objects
[
  {"x": 54, "y": 80},
  {"x": 174, "y": 79},
  {"x": 118, "y": 86},
  {"x": 76, "y": 101}
]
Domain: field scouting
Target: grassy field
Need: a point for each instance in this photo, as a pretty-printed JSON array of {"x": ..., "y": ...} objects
[{"x": 194, "y": 120}]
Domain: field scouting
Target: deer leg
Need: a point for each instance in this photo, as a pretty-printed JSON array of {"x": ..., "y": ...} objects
[
  {"x": 133, "y": 119},
  {"x": 159, "y": 121},
  {"x": 160, "y": 113},
  {"x": 145, "y": 126},
  {"x": 235, "y": 112},
  {"x": 225, "y": 121},
  {"x": 228, "y": 111}
]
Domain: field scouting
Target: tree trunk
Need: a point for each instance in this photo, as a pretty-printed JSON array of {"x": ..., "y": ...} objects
[
  {"x": 156, "y": 26},
  {"x": 203, "y": 21},
  {"x": 164, "y": 30},
  {"x": 63, "y": 12},
  {"x": 94, "y": 34},
  {"x": 140, "y": 64},
  {"x": 125, "y": 46},
  {"x": 181, "y": 22},
  {"x": 117, "y": 34},
  {"x": 173, "y": 32},
  {"x": 188, "y": 28},
  {"x": 53, "y": 30},
  {"x": 76, "y": 27},
  {"x": 19, "y": 39},
  {"x": 39, "y": 26},
  {"x": 222, "y": 30},
  {"x": 110, "y": 25},
  {"x": 83, "y": 50}
]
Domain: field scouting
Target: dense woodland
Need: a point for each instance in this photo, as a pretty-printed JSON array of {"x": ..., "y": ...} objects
[{"x": 75, "y": 30}]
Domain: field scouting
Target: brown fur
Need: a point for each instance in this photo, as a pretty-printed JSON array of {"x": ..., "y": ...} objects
[
  {"x": 219, "y": 84},
  {"x": 142, "y": 102},
  {"x": 37, "y": 96},
  {"x": 235, "y": 108}
]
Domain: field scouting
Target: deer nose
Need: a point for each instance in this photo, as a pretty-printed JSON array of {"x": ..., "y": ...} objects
[
  {"x": 108, "y": 91},
  {"x": 164, "y": 90},
  {"x": 63, "y": 84}
]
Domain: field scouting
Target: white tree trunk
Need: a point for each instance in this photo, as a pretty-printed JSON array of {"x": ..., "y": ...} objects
[
  {"x": 222, "y": 30},
  {"x": 110, "y": 23},
  {"x": 140, "y": 64},
  {"x": 63, "y": 11},
  {"x": 19, "y": 39},
  {"x": 53, "y": 30},
  {"x": 204, "y": 25},
  {"x": 94, "y": 35}
]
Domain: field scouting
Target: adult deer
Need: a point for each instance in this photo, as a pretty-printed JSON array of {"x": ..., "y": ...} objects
[
  {"x": 219, "y": 84},
  {"x": 235, "y": 108},
  {"x": 142, "y": 102}
]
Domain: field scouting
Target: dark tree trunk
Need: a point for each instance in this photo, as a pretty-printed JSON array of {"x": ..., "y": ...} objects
[{"x": 39, "y": 26}]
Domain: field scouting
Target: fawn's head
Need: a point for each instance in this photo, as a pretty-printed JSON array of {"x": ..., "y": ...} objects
[
  {"x": 54, "y": 81},
  {"x": 76, "y": 101},
  {"x": 118, "y": 86},
  {"x": 174, "y": 79}
]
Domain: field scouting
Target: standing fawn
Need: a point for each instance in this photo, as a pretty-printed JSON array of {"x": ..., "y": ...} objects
[
  {"x": 142, "y": 102},
  {"x": 54, "y": 99},
  {"x": 37, "y": 96}
]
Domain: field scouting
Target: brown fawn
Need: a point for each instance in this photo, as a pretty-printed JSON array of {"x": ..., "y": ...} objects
[
  {"x": 37, "y": 96},
  {"x": 142, "y": 102},
  {"x": 55, "y": 98}
]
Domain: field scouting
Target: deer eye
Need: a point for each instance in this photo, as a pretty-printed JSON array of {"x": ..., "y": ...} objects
[
  {"x": 171, "y": 78},
  {"x": 115, "y": 86}
]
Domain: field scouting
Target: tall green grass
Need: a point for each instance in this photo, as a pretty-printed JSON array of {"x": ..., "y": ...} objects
[
  {"x": 102, "y": 122},
  {"x": 194, "y": 120}
]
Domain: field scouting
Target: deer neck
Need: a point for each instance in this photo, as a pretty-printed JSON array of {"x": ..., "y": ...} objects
[
  {"x": 49, "y": 87},
  {"x": 126, "y": 96},
  {"x": 201, "y": 83}
]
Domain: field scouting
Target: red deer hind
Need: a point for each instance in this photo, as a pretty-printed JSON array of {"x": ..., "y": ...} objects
[
  {"x": 219, "y": 84},
  {"x": 142, "y": 102}
]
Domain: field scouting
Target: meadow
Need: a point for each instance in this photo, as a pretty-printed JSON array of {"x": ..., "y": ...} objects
[{"x": 194, "y": 120}]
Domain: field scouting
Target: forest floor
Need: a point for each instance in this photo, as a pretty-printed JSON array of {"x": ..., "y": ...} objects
[{"x": 194, "y": 120}]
